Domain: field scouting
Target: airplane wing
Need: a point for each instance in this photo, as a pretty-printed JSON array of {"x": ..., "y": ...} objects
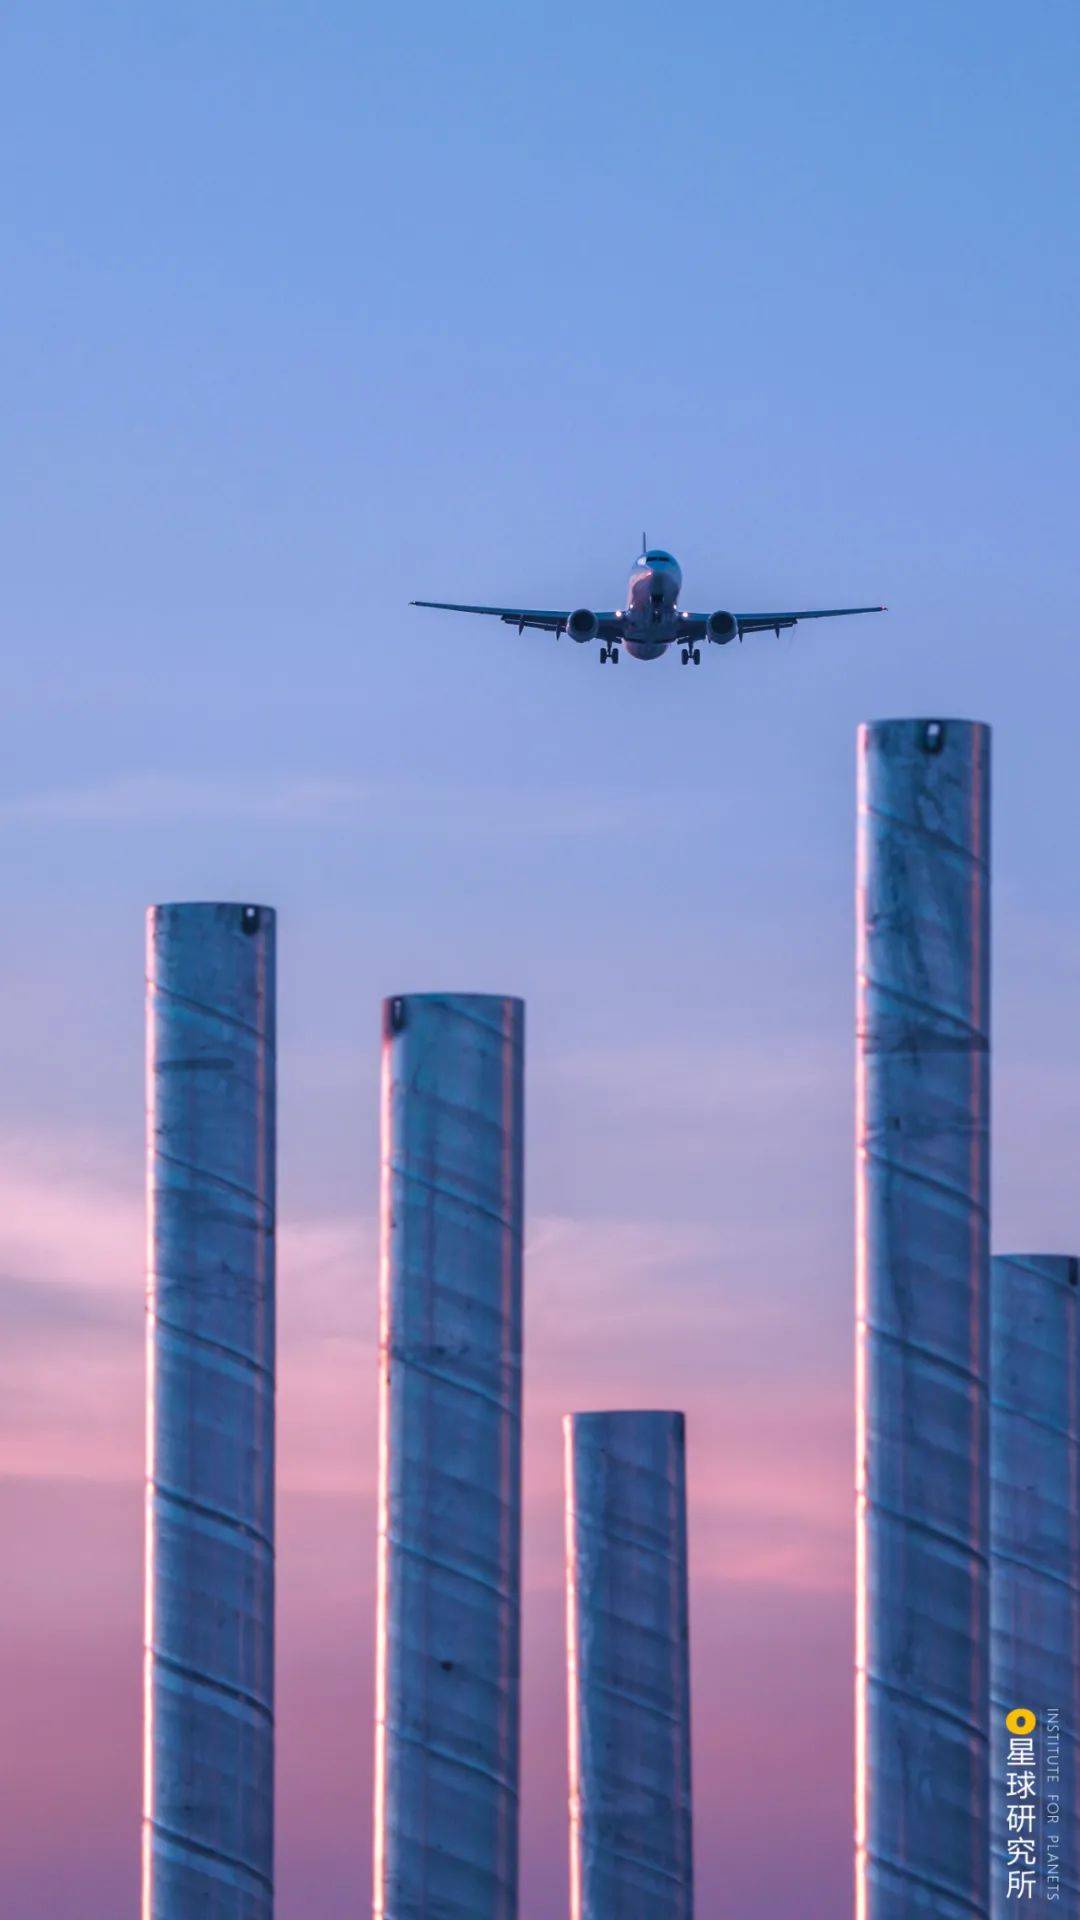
[
  {"x": 546, "y": 619},
  {"x": 764, "y": 622}
]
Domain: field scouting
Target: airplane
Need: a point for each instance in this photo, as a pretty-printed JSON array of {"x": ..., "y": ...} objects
[{"x": 652, "y": 620}]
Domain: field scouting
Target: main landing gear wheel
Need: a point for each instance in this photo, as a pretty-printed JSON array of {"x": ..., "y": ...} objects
[
  {"x": 614, "y": 652},
  {"x": 686, "y": 656},
  {"x": 697, "y": 656},
  {"x": 603, "y": 655}
]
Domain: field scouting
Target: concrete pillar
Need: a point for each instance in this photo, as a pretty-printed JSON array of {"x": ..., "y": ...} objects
[
  {"x": 631, "y": 1852},
  {"x": 209, "y": 1662},
  {"x": 923, "y": 1127},
  {"x": 449, "y": 1542},
  {"x": 1035, "y": 1565}
]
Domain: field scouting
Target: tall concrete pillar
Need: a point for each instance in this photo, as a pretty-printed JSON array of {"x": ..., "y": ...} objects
[
  {"x": 922, "y": 1470},
  {"x": 1035, "y": 1568},
  {"x": 631, "y": 1853},
  {"x": 209, "y": 1662},
  {"x": 449, "y": 1540}
]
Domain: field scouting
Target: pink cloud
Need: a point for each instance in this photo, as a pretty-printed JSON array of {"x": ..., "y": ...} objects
[{"x": 618, "y": 1312}]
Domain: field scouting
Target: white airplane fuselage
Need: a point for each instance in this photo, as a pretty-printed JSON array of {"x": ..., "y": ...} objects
[{"x": 652, "y": 599}]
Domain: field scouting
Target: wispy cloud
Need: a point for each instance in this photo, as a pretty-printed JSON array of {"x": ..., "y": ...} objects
[
  {"x": 331, "y": 803},
  {"x": 620, "y": 1312},
  {"x": 71, "y": 1215},
  {"x": 732, "y": 1069}
]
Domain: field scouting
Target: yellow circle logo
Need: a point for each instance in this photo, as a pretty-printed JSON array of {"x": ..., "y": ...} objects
[{"x": 1021, "y": 1720}]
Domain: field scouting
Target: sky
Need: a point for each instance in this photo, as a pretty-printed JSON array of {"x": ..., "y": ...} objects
[{"x": 309, "y": 309}]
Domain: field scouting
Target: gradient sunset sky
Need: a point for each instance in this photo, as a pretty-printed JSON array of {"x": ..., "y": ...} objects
[{"x": 310, "y": 309}]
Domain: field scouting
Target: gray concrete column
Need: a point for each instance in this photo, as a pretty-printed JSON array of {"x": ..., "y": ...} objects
[
  {"x": 631, "y": 1843},
  {"x": 1035, "y": 1565},
  {"x": 209, "y": 1663},
  {"x": 449, "y": 1543},
  {"x": 923, "y": 1129}
]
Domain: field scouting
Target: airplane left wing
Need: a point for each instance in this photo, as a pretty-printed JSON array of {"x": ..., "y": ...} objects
[
  {"x": 548, "y": 620},
  {"x": 764, "y": 622},
  {"x": 693, "y": 628}
]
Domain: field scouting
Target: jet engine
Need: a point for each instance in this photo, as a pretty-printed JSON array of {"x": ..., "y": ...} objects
[
  {"x": 583, "y": 625},
  {"x": 722, "y": 627}
]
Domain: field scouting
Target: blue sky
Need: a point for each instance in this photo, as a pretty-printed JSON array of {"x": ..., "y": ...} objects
[{"x": 313, "y": 308}]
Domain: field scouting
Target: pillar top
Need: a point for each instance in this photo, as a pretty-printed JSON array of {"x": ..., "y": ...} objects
[
  {"x": 491, "y": 1010},
  {"x": 627, "y": 1416},
  {"x": 1062, "y": 1267},
  {"x": 211, "y": 909},
  {"x": 901, "y": 725},
  {"x": 453, "y": 999}
]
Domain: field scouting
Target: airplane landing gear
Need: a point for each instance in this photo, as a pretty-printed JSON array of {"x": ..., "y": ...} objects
[
  {"x": 686, "y": 656},
  {"x": 697, "y": 656},
  {"x": 610, "y": 653},
  {"x": 691, "y": 653},
  {"x": 603, "y": 655}
]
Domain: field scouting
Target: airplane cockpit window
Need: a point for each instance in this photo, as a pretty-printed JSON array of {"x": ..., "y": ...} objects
[{"x": 655, "y": 555}]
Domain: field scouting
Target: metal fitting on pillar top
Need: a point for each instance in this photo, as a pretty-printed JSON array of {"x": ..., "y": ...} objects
[
  {"x": 209, "y": 1661},
  {"x": 922, "y": 1267},
  {"x": 449, "y": 1545},
  {"x": 631, "y": 1851},
  {"x": 1035, "y": 1571}
]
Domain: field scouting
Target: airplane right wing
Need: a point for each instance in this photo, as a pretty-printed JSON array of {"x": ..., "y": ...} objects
[{"x": 547, "y": 620}]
